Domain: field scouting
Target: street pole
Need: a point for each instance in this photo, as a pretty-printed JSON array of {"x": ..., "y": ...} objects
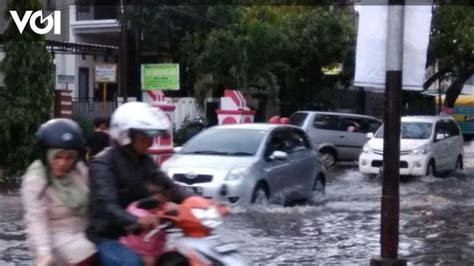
[
  {"x": 137, "y": 35},
  {"x": 391, "y": 157},
  {"x": 123, "y": 54}
]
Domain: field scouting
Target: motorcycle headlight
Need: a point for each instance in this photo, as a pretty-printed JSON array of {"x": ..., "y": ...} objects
[
  {"x": 237, "y": 173},
  {"x": 209, "y": 218}
]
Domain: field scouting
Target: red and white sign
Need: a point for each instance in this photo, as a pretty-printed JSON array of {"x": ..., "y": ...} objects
[
  {"x": 162, "y": 147},
  {"x": 234, "y": 109}
]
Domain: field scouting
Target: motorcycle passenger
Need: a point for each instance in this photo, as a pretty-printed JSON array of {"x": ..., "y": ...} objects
[
  {"x": 54, "y": 193},
  {"x": 122, "y": 174}
]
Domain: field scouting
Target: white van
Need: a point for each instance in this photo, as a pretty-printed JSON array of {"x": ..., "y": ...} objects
[{"x": 429, "y": 145}]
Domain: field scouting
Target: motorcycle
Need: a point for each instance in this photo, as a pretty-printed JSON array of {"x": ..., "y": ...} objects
[{"x": 197, "y": 218}]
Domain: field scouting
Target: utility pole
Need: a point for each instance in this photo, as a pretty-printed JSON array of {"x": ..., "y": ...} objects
[
  {"x": 138, "y": 20},
  {"x": 390, "y": 213},
  {"x": 123, "y": 53}
]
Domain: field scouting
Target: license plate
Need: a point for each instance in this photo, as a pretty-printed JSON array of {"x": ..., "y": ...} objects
[
  {"x": 226, "y": 248},
  {"x": 195, "y": 190}
]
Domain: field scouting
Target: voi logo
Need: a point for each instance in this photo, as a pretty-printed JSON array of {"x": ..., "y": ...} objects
[{"x": 53, "y": 21}]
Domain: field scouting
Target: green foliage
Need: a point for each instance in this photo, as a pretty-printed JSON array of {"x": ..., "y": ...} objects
[
  {"x": 452, "y": 44},
  {"x": 188, "y": 128},
  {"x": 27, "y": 95},
  {"x": 452, "y": 37},
  {"x": 277, "y": 49}
]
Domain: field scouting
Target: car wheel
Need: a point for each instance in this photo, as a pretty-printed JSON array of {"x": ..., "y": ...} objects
[
  {"x": 431, "y": 169},
  {"x": 459, "y": 163},
  {"x": 319, "y": 184},
  {"x": 260, "y": 194},
  {"x": 327, "y": 157}
]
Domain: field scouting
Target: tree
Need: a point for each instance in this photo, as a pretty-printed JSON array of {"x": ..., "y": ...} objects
[
  {"x": 273, "y": 48},
  {"x": 317, "y": 38},
  {"x": 452, "y": 44},
  {"x": 27, "y": 98}
]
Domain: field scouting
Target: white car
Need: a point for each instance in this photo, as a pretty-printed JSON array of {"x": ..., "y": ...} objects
[
  {"x": 429, "y": 145},
  {"x": 249, "y": 163}
]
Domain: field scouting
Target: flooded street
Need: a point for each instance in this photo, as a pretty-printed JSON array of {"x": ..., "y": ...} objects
[{"x": 436, "y": 223}]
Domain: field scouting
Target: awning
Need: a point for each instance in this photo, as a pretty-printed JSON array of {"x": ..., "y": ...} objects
[{"x": 60, "y": 47}]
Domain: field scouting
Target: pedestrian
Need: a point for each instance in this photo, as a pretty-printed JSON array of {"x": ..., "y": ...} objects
[
  {"x": 99, "y": 139},
  {"x": 123, "y": 174},
  {"x": 54, "y": 194}
]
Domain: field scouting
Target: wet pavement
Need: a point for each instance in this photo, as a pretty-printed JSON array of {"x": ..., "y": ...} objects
[{"x": 341, "y": 227}]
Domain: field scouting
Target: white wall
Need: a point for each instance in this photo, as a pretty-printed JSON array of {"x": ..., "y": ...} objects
[
  {"x": 67, "y": 64},
  {"x": 185, "y": 108},
  {"x": 70, "y": 64}
]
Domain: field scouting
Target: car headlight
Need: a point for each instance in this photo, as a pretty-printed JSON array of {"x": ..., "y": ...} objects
[
  {"x": 366, "y": 148},
  {"x": 210, "y": 218},
  {"x": 237, "y": 173},
  {"x": 421, "y": 150}
]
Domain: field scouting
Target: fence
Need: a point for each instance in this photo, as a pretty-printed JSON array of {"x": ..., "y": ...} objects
[
  {"x": 83, "y": 109},
  {"x": 186, "y": 108}
]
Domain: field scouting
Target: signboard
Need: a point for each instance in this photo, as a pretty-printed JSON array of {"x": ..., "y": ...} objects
[
  {"x": 160, "y": 76},
  {"x": 65, "y": 79},
  {"x": 106, "y": 73},
  {"x": 372, "y": 44}
]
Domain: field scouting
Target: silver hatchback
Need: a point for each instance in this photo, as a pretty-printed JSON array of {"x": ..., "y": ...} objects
[
  {"x": 249, "y": 163},
  {"x": 337, "y": 136}
]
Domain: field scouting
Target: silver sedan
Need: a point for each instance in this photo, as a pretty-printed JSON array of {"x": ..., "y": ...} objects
[{"x": 249, "y": 163}]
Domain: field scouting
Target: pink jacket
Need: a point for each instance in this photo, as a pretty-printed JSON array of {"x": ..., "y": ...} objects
[
  {"x": 52, "y": 228},
  {"x": 154, "y": 246}
]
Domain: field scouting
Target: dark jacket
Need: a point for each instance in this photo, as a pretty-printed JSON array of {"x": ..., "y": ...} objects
[
  {"x": 96, "y": 142},
  {"x": 118, "y": 177}
]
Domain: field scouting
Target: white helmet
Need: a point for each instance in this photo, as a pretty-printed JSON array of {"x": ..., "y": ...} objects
[{"x": 138, "y": 116}]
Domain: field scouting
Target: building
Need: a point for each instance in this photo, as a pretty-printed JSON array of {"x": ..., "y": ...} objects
[{"x": 89, "y": 36}]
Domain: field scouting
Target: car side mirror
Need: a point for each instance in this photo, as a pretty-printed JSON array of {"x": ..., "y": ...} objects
[
  {"x": 177, "y": 149},
  {"x": 279, "y": 155},
  {"x": 370, "y": 135},
  {"x": 440, "y": 137}
]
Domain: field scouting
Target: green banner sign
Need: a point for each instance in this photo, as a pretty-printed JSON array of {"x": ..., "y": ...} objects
[{"x": 160, "y": 76}]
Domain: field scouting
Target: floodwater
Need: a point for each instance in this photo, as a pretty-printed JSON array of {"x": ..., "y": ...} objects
[{"x": 341, "y": 227}]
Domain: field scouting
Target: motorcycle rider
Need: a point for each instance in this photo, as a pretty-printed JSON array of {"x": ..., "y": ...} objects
[{"x": 122, "y": 174}]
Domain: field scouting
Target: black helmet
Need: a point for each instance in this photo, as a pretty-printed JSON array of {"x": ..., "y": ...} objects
[{"x": 60, "y": 133}]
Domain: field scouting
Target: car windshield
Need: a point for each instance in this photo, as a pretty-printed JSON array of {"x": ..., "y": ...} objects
[
  {"x": 228, "y": 142},
  {"x": 297, "y": 119},
  {"x": 412, "y": 130}
]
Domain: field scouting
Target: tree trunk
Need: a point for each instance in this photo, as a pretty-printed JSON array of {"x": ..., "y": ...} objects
[
  {"x": 436, "y": 76},
  {"x": 455, "y": 89}
]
